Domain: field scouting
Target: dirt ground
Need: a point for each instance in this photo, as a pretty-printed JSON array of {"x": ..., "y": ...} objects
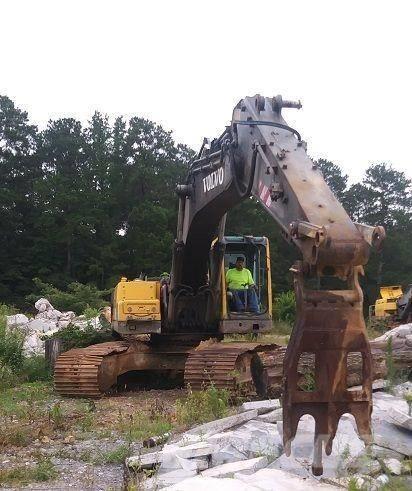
[{"x": 53, "y": 443}]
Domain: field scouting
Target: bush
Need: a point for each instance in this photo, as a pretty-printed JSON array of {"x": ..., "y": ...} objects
[
  {"x": 75, "y": 337},
  {"x": 205, "y": 405},
  {"x": 35, "y": 369},
  {"x": 77, "y": 298},
  {"x": 11, "y": 342},
  {"x": 285, "y": 307}
]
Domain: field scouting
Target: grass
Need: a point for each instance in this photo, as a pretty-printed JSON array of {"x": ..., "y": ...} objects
[
  {"x": 202, "y": 406},
  {"x": 43, "y": 471},
  {"x": 116, "y": 456},
  {"x": 140, "y": 425}
]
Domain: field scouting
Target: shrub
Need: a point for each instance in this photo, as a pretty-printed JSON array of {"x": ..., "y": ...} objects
[
  {"x": 75, "y": 337},
  {"x": 202, "y": 406},
  {"x": 11, "y": 346},
  {"x": 35, "y": 369},
  {"x": 285, "y": 307},
  {"x": 77, "y": 298}
]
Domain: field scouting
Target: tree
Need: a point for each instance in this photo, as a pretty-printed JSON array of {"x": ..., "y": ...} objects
[
  {"x": 334, "y": 177},
  {"x": 19, "y": 168}
]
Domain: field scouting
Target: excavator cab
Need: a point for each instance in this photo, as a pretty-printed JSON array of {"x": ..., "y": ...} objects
[{"x": 255, "y": 253}]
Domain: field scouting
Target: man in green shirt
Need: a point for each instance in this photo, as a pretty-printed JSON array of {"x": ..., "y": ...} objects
[{"x": 239, "y": 282}]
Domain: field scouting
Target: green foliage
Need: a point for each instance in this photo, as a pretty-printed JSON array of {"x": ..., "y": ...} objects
[
  {"x": 11, "y": 350},
  {"x": 116, "y": 456},
  {"x": 20, "y": 475},
  {"x": 75, "y": 337},
  {"x": 285, "y": 307},
  {"x": 78, "y": 298},
  {"x": 202, "y": 406},
  {"x": 139, "y": 426}
]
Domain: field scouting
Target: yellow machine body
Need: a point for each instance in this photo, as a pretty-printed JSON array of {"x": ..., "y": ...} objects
[
  {"x": 136, "y": 306},
  {"x": 387, "y": 305}
]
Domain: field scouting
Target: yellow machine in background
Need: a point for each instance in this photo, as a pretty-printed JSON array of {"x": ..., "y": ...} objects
[{"x": 387, "y": 305}]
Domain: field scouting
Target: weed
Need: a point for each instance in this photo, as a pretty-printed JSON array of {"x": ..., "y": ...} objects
[
  {"x": 56, "y": 416},
  {"x": 408, "y": 398},
  {"x": 116, "y": 456},
  {"x": 35, "y": 369},
  {"x": 202, "y": 406},
  {"x": 309, "y": 382},
  {"x": 43, "y": 471},
  {"x": 16, "y": 436},
  {"x": 139, "y": 426},
  {"x": 86, "y": 422},
  {"x": 285, "y": 307}
]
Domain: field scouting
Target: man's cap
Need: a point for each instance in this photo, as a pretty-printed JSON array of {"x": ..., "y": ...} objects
[{"x": 240, "y": 258}]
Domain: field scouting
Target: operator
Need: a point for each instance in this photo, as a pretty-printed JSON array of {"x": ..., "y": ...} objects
[{"x": 242, "y": 288}]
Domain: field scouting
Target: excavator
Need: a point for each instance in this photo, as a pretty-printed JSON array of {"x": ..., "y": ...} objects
[{"x": 186, "y": 315}]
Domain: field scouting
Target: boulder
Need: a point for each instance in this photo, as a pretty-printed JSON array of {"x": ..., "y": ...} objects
[
  {"x": 196, "y": 450},
  {"x": 227, "y": 454},
  {"x": 346, "y": 445},
  {"x": 16, "y": 320},
  {"x": 401, "y": 419},
  {"x": 387, "y": 435},
  {"x": 378, "y": 452},
  {"x": 223, "y": 424},
  {"x": 202, "y": 483},
  {"x": 278, "y": 480},
  {"x": 387, "y": 402},
  {"x": 272, "y": 417},
  {"x": 261, "y": 406},
  {"x": 245, "y": 466},
  {"x": 402, "y": 389},
  {"x": 251, "y": 439},
  {"x": 290, "y": 464},
  {"x": 393, "y": 466}
]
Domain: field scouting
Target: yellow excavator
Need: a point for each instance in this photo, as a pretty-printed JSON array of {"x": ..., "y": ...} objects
[
  {"x": 394, "y": 304},
  {"x": 257, "y": 155}
]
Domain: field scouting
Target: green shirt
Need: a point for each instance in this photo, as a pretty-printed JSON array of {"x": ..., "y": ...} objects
[{"x": 238, "y": 280}]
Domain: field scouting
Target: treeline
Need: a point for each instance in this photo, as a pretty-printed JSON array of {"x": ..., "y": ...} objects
[{"x": 90, "y": 203}]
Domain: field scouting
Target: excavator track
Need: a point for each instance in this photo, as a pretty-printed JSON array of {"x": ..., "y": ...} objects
[
  {"x": 223, "y": 365},
  {"x": 78, "y": 372}
]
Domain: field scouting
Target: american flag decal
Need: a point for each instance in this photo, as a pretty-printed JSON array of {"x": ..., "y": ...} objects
[{"x": 264, "y": 194}]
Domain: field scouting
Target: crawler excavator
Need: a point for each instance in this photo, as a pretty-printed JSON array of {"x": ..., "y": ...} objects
[{"x": 257, "y": 155}]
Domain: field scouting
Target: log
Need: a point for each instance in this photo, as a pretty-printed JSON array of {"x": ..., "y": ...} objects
[
  {"x": 271, "y": 370},
  {"x": 52, "y": 349}
]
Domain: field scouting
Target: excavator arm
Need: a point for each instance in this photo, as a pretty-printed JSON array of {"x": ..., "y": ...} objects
[{"x": 260, "y": 155}]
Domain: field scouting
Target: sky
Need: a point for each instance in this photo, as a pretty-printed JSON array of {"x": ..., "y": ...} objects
[{"x": 185, "y": 65}]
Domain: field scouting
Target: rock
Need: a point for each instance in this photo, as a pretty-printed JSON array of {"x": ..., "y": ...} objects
[
  {"x": 401, "y": 419},
  {"x": 144, "y": 461},
  {"x": 387, "y": 402},
  {"x": 408, "y": 340},
  {"x": 227, "y": 454},
  {"x": 364, "y": 464},
  {"x": 69, "y": 439},
  {"x": 254, "y": 438},
  {"x": 196, "y": 450},
  {"x": 226, "y": 470},
  {"x": 290, "y": 464},
  {"x": 223, "y": 424},
  {"x": 198, "y": 464},
  {"x": 277, "y": 480},
  {"x": 172, "y": 477},
  {"x": 16, "y": 320},
  {"x": 389, "y": 436},
  {"x": 393, "y": 466},
  {"x": 346, "y": 445},
  {"x": 378, "y": 452},
  {"x": 45, "y": 439},
  {"x": 382, "y": 479},
  {"x": 201, "y": 483},
  {"x": 272, "y": 417},
  {"x": 402, "y": 389},
  {"x": 261, "y": 406}
]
